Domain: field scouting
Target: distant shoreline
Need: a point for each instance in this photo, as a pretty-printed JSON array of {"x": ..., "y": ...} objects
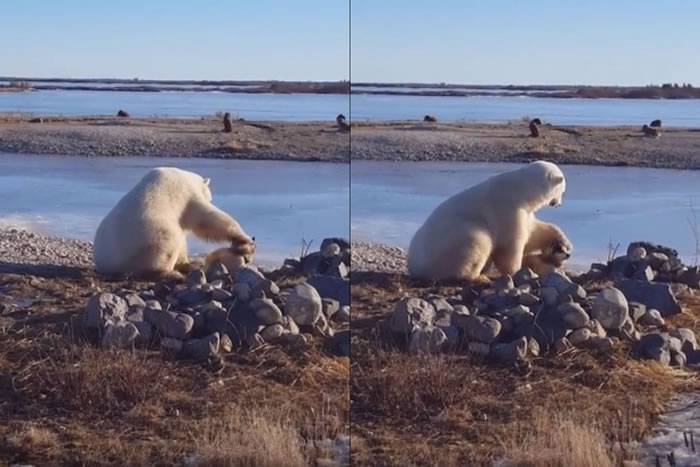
[
  {"x": 173, "y": 137},
  {"x": 664, "y": 91}
]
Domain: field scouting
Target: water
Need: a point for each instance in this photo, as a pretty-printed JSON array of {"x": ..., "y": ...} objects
[
  {"x": 575, "y": 111},
  {"x": 288, "y": 107},
  {"x": 602, "y": 205},
  {"x": 278, "y": 203}
]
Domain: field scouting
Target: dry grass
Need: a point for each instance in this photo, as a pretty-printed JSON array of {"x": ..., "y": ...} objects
[
  {"x": 456, "y": 409},
  {"x": 558, "y": 441},
  {"x": 249, "y": 438},
  {"x": 138, "y": 409}
]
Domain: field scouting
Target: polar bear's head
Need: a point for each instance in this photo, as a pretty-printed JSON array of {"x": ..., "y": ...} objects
[{"x": 549, "y": 184}]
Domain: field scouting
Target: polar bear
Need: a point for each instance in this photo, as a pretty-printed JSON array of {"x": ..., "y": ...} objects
[
  {"x": 493, "y": 221},
  {"x": 145, "y": 233}
]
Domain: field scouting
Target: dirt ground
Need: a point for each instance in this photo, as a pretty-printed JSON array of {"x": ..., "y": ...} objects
[
  {"x": 64, "y": 401},
  {"x": 456, "y": 409},
  {"x": 171, "y": 137},
  {"x": 677, "y": 148}
]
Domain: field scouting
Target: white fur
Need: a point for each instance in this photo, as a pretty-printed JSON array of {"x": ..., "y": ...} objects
[
  {"x": 146, "y": 231},
  {"x": 492, "y": 221}
]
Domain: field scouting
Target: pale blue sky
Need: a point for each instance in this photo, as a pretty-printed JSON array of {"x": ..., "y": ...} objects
[
  {"x": 630, "y": 42},
  {"x": 175, "y": 39}
]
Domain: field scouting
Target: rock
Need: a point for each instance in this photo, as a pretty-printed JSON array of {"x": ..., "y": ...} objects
[
  {"x": 427, "y": 339},
  {"x": 597, "y": 271},
  {"x": 620, "y": 267},
  {"x": 265, "y": 288},
  {"x": 573, "y": 315},
  {"x": 657, "y": 260},
  {"x": 266, "y": 311},
  {"x": 341, "y": 343},
  {"x": 242, "y": 291},
  {"x": 441, "y": 305},
  {"x": 511, "y": 352},
  {"x": 134, "y": 301},
  {"x": 225, "y": 343},
  {"x": 343, "y": 315},
  {"x": 411, "y": 312},
  {"x": 687, "y": 338},
  {"x": 170, "y": 324},
  {"x": 503, "y": 283},
  {"x": 629, "y": 331},
  {"x": 295, "y": 340},
  {"x": 202, "y": 349},
  {"x": 193, "y": 295},
  {"x": 479, "y": 329},
  {"x": 330, "y": 307},
  {"x": 652, "y": 317},
  {"x": 655, "y": 346},
  {"x": 636, "y": 310},
  {"x": 196, "y": 277},
  {"x": 479, "y": 348},
  {"x": 330, "y": 250},
  {"x": 104, "y": 307},
  {"x": 249, "y": 275},
  {"x": 524, "y": 276},
  {"x": 533, "y": 347},
  {"x": 572, "y": 292},
  {"x": 290, "y": 325},
  {"x": 122, "y": 113},
  {"x": 520, "y": 315},
  {"x": 221, "y": 295},
  {"x": 549, "y": 296},
  {"x": 119, "y": 335},
  {"x": 170, "y": 346},
  {"x": 579, "y": 337},
  {"x": 217, "y": 271},
  {"x": 644, "y": 273},
  {"x": 331, "y": 287},
  {"x": 651, "y": 294},
  {"x": 691, "y": 277},
  {"x": 596, "y": 328},
  {"x": 304, "y": 305},
  {"x": 600, "y": 343},
  {"x": 636, "y": 254},
  {"x": 528, "y": 299},
  {"x": 610, "y": 308},
  {"x": 272, "y": 332},
  {"x": 557, "y": 280},
  {"x": 145, "y": 332},
  {"x": 561, "y": 345},
  {"x": 679, "y": 359}
]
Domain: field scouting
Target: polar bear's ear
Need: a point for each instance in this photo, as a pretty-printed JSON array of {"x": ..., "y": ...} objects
[
  {"x": 556, "y": 179},
  {"x": 206, "y": 181}
]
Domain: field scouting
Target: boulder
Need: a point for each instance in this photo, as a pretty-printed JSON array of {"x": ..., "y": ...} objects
[
  {"x": 119, "y": 335},
  {"x": 427, "y": 339},
  {"x": 331, "y": 287},
  {"x": 409, "y": 313},
  {"x": 610, "y": 308},
  {"x": 511, "y": 352},
  {"x": 104, "y": 307},
  {"x": 202, "y": 349},
  {"x": 653, "y": 295},
  {"x": 304, "y": 305}
]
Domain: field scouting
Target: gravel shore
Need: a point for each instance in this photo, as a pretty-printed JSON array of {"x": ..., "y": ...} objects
[
  {"x": 377, "y": 257},
  {"x": 677, "y": 148},
  {"x": 171, "y": 137},
  {"x": 20, "y": 249}
]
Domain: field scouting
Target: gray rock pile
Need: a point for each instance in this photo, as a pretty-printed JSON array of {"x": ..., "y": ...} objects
[
  {"x": 327, "y": 270},
  {"x": 525, "y": 315},
  {"x": 216, "y": 311}
]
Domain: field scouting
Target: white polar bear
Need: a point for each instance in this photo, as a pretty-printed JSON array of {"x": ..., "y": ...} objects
[
  {"x": 146, "y": 232},
  {"x": 493, "y": 221}
]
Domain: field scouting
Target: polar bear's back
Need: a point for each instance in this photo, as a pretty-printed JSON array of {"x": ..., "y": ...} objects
[{"x": 147, "y": 214}]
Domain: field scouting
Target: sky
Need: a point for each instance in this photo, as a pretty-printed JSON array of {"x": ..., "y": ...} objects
[
  {"x": 175, "y": 39},
  {"x": 619, "y": 42},
  {"x": 615, "y": 42}
]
